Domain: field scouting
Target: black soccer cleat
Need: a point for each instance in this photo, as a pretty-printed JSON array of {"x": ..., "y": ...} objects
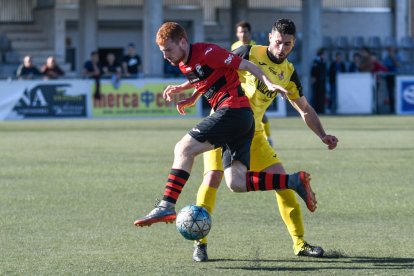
[
  {"x": 200, "y": 252},
  {"x": 308, "y": 250}
]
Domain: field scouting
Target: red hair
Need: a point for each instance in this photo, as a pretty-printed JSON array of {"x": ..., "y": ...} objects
[{"x": 172, "y": 31}]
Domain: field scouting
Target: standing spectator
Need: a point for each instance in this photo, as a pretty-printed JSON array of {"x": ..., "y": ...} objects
[
  {"x": 27, "y": 70},
  {"x": 366, "y": 64},
  {"x": 337, "y": 66},
  {"x": 355, "y": 63},
  {"x": 244, "y": 35},
  {"x": 51, "y": 70},
  {"x": 131, "y": 63},
  {"x": 318, "y": 79},
  {"x": 392, "y": 61},
  {"x": 93, "y": 69}
]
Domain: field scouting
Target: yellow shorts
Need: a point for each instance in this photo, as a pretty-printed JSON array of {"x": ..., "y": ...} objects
[{"x": 262, "y": 155}]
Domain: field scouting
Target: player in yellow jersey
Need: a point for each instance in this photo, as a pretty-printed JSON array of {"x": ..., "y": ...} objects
[
  {"x": 272, "y": 60},
  {"x": 244, "y": 35}
]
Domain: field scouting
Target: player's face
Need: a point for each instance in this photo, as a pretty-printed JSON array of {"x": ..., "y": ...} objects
[
  {"x": 173, "y": 52},
  {"x": 280, "y": 45},
  {"x": 243, "y": 35}
]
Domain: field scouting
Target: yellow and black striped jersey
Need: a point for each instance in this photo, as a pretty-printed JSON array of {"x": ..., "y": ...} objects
[{"x": 282, "y": 74}]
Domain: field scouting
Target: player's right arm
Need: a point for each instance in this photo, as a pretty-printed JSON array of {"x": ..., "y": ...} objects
[
  {"x": 175, "y": 89},
  {"x": 311, "y": 119}
]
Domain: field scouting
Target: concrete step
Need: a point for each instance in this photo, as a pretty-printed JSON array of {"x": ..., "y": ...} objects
[
  {"x": 24, "y": 36},
  {"x": 31, "y": 44},
  {"x": 9, "y": 28}
]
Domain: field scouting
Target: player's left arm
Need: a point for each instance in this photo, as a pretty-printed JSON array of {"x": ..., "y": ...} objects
[{"x": 311, "y": 119}]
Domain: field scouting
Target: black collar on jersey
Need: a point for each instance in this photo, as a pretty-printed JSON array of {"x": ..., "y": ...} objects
[{"x": 272, "y": 58}]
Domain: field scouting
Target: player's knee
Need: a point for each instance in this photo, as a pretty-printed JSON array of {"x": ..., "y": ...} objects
[
  {"x": 183, "y": 148},
  {"x": 236, "y": 186}
]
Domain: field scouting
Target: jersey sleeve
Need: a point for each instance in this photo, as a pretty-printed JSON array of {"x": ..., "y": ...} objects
[
  {"x": 294, "y": 86},
  {"x": 218, "y": 57},
  {"x": 243, "y": 51}
]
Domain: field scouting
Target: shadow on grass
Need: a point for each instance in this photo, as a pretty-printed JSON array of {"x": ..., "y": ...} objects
[{"x": 333, "y": 260}]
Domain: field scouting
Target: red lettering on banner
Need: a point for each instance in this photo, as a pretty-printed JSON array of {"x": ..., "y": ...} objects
[
  {"x": 134, "y": 101},
  {"x": 125, "y": 100},
  {"x": 159, "y": 100},
  {"x": 110, "y": 100}
]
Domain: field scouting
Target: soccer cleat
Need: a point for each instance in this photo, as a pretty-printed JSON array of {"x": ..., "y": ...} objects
[
  {"x": 308, "y": 250},
  {"x": 200, "y": 252},
  {"x": 300, "y": 182},
  {"x": 158, "y": 214}
]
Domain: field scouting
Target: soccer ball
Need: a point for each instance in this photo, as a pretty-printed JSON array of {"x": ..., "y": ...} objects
[{"x": 193, "y": 222}]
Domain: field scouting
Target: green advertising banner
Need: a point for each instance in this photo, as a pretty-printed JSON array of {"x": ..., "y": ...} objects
[{"x": 131, "y": 98}]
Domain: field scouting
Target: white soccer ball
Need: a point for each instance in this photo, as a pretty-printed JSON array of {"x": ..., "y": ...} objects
[{"x": 193, "y": 222}]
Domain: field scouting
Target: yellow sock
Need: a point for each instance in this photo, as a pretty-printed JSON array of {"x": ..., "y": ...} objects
[
  {"x": 266, "y": 127},
  {"x": 206, "y": 197},
  {"x": 289, "y": 209}
]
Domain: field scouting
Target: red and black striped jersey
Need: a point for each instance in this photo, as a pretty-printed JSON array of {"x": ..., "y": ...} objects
[{"x": 212, "y": 70}]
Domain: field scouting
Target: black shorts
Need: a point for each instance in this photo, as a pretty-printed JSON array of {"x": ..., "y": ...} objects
[{"x": 229, "y": 128}]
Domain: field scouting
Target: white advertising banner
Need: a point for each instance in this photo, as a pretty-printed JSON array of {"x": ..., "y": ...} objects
[
  {"x": 38, "y": 99},
  {"x": 404, "y": 95},
  {"x": 355, "y": 93},
  {"x": 43, "y": 99}
]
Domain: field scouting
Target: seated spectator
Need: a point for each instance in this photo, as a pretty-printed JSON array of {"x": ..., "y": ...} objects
[
  {"x": 93, "y": 69},
  {"x": 131, "y": 63},
  {"x": 111, "y": 67},
  {"x": 51, "y": 70},
  {"x": 27, "y": 70}
]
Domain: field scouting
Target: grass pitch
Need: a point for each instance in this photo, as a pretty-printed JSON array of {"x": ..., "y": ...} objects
[{"x": 70, "y": 191}]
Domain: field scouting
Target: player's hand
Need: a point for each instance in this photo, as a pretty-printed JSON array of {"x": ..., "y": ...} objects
[
  {"x": 279, "y": 89},
  {"x": 331, "y": 141},
  {"x": 183, "y": 104},
  {"x": 170, "y": 90}
]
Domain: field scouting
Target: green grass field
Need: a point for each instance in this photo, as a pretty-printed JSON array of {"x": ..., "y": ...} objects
[{"x": 70, "y": 191}]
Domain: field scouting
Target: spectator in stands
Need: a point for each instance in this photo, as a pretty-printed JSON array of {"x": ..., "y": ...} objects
[
  {"x": 366, "y": 64},
  {"x": 392, "y": 61},
  {"x": 370, "y": 62},
  {"x": 318, "y": 80},
  {"x": 111, "y": 67},
  {"x": 51, "y": 70},
  {"x": 244, "y": 35},
  {"x": 27, "y": 70},
  {"x": 337, "y": 66},
  {"x": 112, "y": 70},
  {"x": 131, "y": 63},
  {"x": 93, "y": 69},
  {"x": 355, "y": 63}
]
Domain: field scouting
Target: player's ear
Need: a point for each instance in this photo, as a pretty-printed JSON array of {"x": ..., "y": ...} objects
[
  {"x": 183, "y": 42},
  {"x": 270, "y": 37}
]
